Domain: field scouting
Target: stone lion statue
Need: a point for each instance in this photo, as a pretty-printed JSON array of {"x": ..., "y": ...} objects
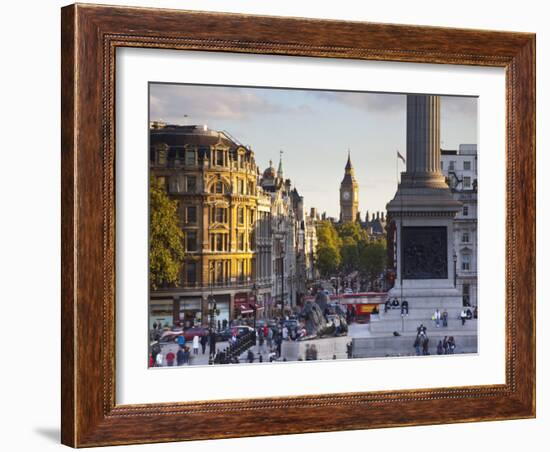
[{"x": 321, "y": 320}]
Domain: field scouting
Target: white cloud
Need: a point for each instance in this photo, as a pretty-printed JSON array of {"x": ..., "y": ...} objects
[{"x": 202, "y": 104}]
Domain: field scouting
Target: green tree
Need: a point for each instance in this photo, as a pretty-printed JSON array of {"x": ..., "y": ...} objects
[
  {"x": 327, "y": 234},
  {"x": 328, "y": 260},
  {"x": 350, "y": 254},
  {"x": 166, "y": 250},
  {"x": 372, "y": 258},
  {"x": 352, "y": 230},
  {"x": 328, "y": 248}
]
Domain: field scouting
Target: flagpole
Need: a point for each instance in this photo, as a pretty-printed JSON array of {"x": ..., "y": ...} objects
[{"x": 401, "y": 247}]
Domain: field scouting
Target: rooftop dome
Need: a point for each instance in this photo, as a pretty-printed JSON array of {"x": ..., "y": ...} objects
[{"x": 269, "y": 172}]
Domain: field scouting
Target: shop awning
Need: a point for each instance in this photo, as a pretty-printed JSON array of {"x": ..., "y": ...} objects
[{"x": 248, "y": 308}]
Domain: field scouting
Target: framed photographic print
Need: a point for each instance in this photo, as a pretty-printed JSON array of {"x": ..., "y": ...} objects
[{"x": 267, "y": 218}]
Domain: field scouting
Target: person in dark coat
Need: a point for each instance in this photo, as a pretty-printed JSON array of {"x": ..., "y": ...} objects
[
  {"x": 425, "y": 343},
  {"x": 212, "y": 340},
  {"x": 250, "y": 356},
  {"x": 204, "y": 341},
  {"x": 180, "y": 357}
]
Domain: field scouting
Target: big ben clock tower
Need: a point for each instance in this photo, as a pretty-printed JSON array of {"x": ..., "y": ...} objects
[{"x": 349, "y": 194}]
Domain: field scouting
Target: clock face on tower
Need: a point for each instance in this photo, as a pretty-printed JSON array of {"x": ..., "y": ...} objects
[{"x": 346, "y": 195}]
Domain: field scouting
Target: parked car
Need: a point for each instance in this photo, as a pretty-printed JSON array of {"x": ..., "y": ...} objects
[
  {"x": 223, "y": 335},
  {"x": 241, "y": 330}
]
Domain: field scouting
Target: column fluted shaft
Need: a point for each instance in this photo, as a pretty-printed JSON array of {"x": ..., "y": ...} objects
[{"x": 423, "y": 134}]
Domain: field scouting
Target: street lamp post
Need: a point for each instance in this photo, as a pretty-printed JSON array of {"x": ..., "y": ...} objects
[
  {"x": 282, "y": 251},
  {"x": 255, "y": 308},
  {"x": 454, "y": 261}
]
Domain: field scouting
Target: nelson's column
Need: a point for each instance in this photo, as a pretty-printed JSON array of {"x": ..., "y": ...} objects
[{"x": 422, "y": 212}]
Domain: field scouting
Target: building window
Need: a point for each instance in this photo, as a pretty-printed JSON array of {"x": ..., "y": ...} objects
[
  {"x": 251, "y": 215},
  {"x": 191, "y": 184},
  {"x": 190, "y": 157},
  {"x": 240, "y": 186},
  {"x": 465, "y": 211},
  {"x": 219, "y": 158},
  {"x": 467, "y": 165},
  {"x": 240, "y": 241},
  {"x": 191, "y": 241},
  {"x": 219, "y": 187},
  {"x": 240, "y": 215},
  {"x": 191, "y": 273},
  {"x": 174, "y": 184},
  {"x": 442, "y": 165},
  {"x": 240, "y": 270},
  {"x": 467, "y": 182},
  {"x": 466, "y": 262},
  {"x": 192, "y": 214},
  {"x": 218, "y": 242},
  {"x": 220, "y": 215},
  {"x": 465, "y": 237},
  {"x": 452, "y": 165}
]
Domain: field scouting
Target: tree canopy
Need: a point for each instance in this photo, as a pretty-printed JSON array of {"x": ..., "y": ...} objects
[
  {"x": 166, "y": 251},
  {"x": 349, "y": 248}
]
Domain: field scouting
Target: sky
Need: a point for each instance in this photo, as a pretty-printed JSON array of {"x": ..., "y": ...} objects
[{"x": 315, "y": 130}]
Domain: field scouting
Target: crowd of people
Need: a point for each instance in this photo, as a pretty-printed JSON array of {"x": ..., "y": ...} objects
[{"x": 422, "y": 341}]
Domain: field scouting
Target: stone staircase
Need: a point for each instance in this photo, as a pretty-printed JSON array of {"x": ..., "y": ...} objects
[
  {"x": 382, "y": 346},
  {"x": 382, "y": 342}
]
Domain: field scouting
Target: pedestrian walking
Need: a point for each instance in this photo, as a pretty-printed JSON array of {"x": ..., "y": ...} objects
[
  {"x": 416, "y": 345},
  {"x": 463, "y": 317},
  {"x": 195, "y": 345},
  {"x": 204, "y": 341},
  {"x": 270, "y": 338},
  {"x": 170, "y": 357},
  {"x": 279, "y": 342},
  {"x": 159, "y": 359},
  {"x": 212, "y": 340},
  {"x": 250, "y": 356},
  {"x": 186, "y": 355},
  {"x": 180, "y": 357},
  {"x": 425, "y": 343},
  {"x": 445, "y": 318},
  {"x": 261, "y": 338},
  {"x": 436, "y": 317},
  {"x": 452, "y": 345},
  {"x": 155, "y": 350},
  {"x": 440, "y": 348},
  {"x": 180, "y": 340}
]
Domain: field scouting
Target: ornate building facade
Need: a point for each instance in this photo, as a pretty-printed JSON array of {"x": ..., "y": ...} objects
[
  {"x": 214, "y": 180},
  {"x": 460, "y": 169},
  {"x": 239, "y": 227}
]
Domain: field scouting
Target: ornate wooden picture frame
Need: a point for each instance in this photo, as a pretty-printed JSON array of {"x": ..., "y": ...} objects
[{"x": 90, "y": 37}]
